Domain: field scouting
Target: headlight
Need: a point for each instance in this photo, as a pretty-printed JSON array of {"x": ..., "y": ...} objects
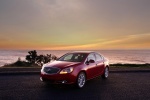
[{"x": 66, "y": 70}]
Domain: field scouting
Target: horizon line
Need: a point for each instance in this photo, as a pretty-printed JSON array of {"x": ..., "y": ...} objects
[{"x": 66, "y": 49}]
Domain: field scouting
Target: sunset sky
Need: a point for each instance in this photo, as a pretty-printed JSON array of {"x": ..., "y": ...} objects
[{"x": 74, "y": 24}]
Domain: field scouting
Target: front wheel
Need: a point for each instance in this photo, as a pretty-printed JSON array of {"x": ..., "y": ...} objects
[
  {"x": 81, "y": 79},
  {"x": 106, "y": 73}
]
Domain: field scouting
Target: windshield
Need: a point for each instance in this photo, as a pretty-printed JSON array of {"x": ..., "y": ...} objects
[{"x": 73, "y": 57}]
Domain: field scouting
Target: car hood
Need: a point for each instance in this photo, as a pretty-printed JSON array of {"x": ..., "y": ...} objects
[{"x": 61, "y": 64}]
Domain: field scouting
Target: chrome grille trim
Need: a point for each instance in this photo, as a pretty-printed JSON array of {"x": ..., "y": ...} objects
[{"x": 45, "y": 69}]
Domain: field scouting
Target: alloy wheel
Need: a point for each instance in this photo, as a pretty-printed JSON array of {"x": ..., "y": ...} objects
[
  {"x": 81, "y": 80},
  {"x": 106, "y": 72}
]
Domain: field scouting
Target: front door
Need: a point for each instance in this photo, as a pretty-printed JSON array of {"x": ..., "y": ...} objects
[
  {"x": 91, "y": 67},
  {"x": 100, "y": 64}
]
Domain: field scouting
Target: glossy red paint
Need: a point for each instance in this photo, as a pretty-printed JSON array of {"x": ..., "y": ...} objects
[{"x": 81, "y": 63}]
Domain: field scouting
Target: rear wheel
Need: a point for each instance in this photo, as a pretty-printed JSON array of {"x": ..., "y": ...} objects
[
  {"x": 106, "y": 73},
  {"x": 81, "y": 79}
]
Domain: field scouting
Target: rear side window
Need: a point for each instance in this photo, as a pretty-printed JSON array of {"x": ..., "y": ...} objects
[{"x": 98, "y": 57}]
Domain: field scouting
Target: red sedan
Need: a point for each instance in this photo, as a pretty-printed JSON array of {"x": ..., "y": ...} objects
[{"x": 75, "y": 68}]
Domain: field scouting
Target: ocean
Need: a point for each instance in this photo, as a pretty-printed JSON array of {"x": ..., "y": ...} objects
[{"x": 114, "y": 56}]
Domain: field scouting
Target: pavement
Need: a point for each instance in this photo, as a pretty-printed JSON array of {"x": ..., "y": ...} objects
[{"x": 134, "y": 85}]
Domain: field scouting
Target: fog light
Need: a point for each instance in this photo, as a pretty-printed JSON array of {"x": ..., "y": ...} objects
[{"x": 64, "y": 81}]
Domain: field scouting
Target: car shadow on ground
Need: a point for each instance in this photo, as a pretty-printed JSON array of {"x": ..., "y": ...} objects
[
  {"x": 89, "y": 84},
  {"x": 93, "y": 88},
  {"x": 92, "y": 85}
]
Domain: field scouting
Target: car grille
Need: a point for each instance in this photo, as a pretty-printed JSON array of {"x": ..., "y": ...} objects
[{"x": 51, "y": 70}]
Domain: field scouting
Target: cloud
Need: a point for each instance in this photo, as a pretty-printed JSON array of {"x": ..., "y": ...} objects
[
  {"x": 140, "y": 41},
  {"x": 95, "y": 24},
  {"x": 73, "y": 47},
  {"x": 130, "y": 42}
]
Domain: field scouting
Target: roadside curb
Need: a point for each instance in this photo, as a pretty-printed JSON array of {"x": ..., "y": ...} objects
[
  {"x": 20, "y": 73},
  {"x": 129, "y": 71}
]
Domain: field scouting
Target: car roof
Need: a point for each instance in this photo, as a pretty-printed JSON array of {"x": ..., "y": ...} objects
[{"x": 88, "y": 52}]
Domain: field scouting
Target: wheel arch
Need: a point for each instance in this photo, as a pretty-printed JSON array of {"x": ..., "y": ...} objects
[{"x": 83, "y": 72}]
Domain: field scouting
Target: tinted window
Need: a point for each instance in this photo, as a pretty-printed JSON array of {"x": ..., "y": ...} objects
[
  {"x": 73, "y": 57},
  {"x": 98, "y": 57},
  {"x": 68, "y": 57},
  {"x": 91, "y": 57}
]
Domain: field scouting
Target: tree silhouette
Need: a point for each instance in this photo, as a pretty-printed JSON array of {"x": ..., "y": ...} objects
[{"x": 33, "y": 58}]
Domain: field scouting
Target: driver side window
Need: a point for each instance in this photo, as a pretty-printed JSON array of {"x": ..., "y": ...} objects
[
  {"x": 68, "y": 57},
  {"x": 98, "y": 57},
  {"x": 91, "y": 57}
]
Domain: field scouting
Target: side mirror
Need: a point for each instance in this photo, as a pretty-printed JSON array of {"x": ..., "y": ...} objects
[{"x": 91, "y": 61}]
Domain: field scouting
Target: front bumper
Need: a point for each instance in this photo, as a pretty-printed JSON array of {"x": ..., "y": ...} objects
[{"x": 58, "y": 78}]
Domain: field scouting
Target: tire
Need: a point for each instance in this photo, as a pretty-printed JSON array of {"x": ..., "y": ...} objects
[
  {"x": 81, "y": 80},
  {"x": 41, "y": 79},
  {"x": 106, "y": 73}
]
